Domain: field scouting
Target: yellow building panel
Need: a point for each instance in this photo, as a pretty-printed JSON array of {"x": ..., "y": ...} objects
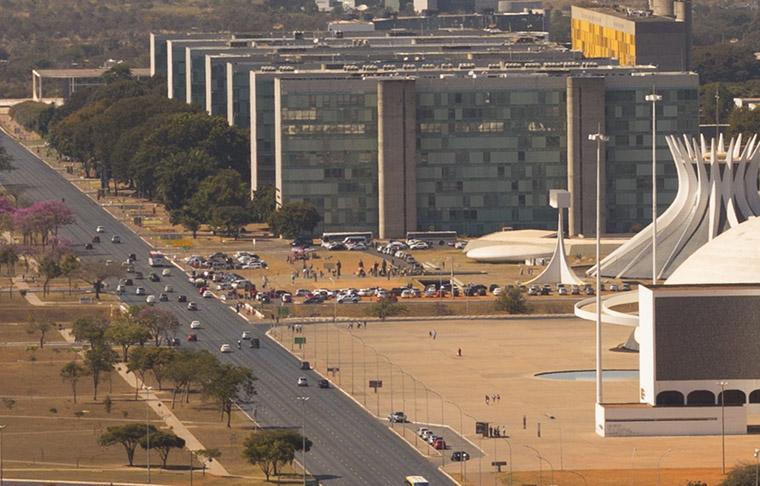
[{"x": 597, "y": 41}]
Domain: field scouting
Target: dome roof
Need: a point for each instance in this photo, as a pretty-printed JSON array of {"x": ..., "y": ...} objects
[{"x": 732, "y": 257}]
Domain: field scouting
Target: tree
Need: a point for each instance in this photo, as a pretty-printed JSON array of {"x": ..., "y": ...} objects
[
  {"x": 294, "y": 219},
  {"x": 6, "y": 160},
  {"x": 164, "y": 442},
  {"x": 187, "y": 217},
  {"x": 228, "y": 384},
  {"x": 139, "y": 363},
  {"x": 41, "y": 328},
  {"x": 189, "y": 367},
  {"x": 222, "y": 201},
  {"x": 73, "y": 372},
  {"x": 742, "y": 474},
  {"x": 513, "y": 301},
  {"x": 128, "y": 435},
  {"x": 69, "y": 264},
  {"x": 99, "y": 359},
  {"x": 160, "y": 360},
  {"x": 744, "y": 121},
  {"x": 89, "y": 329},
  {"x": 127, "y": 332},
  {"x": 386, "y": 308},
  {"x": 96, "y": 272},
  {"x": 263, "y": 204},
  {"x": 160, "y": 322},
  {"x": 271, "y": 449},
  {"x": 50, "y": 268}
]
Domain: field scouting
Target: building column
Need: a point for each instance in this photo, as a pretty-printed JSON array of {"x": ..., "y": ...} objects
[
  {"x": 396, "y": 158},
  {"x": 585, "y": 115}
]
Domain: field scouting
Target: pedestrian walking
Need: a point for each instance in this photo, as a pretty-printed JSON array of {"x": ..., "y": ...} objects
[{"x": 459, "y": 352}]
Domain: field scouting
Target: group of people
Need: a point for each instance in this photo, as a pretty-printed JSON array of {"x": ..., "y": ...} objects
[{"x": 493, "y": 399}]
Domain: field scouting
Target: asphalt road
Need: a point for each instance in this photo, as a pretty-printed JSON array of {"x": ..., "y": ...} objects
[{"x": 350, "y": 446}]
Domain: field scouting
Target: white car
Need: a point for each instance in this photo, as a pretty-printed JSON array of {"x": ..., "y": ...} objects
[
  {"x": 254, "y": 265},
  {"x": 139, "y": 291},
  {"x": 419, "y": 245},
  {"x": 195, "y": 325},
  {"x": 410, "y": 293},
  {"x": 498, "y": 291},
  {"x": 246, "y": 335},
  {"x": 192, "y": 306},
  {"x": 166, "y": 272},
  {"x": 348, "y": 299},
  {"x": 100, "y": 229},
  {"x": 225, "y": 348},
  {"x": 207, "y": 294},
  {"x": 366, "y": 292},
  {"x": 151, "y": 299},
  {"x": 168, "y": 288},
  {"x": 302, "y": 381}
]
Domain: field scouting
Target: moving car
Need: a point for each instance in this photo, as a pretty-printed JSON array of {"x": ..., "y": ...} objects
[
  {"x": 246, "y": 335},
  {"x": 195, "y": 325},
  {"x": 225, "y": 348},
  {"x": 100, "y": 229},
  {"x": 115, "y": 239},
  {"x": 397, "y": 417},
  {"x": 181, "y": 298},
  {"x": 166, "y": 272},
  {"x": 139, "y": 291},
  {"x": 207, "y": 294},
  {"x": 88, "y": 246},
  {"x": 95, "y": 239},
  {"x": 323, "y": 383},
  {"x": 151, "y": 299},
  {"x": 192, "y": 337},
  {"x": 192, "y": 306},
  {"x": 153, "y": 277},
  {"x": 302, "y": 381},
  {"x": 168, "y": 288},
  {"x": 439, "y": 444},
  {"x": 163, "y": 297}
]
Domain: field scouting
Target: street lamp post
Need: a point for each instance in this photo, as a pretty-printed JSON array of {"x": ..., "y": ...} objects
[
  {"x": 303, "y": 401},
  {"x": 147, "y": 427},
  {"x": 654, "y": 98},
  {"x": 659, "y": 462},
  {"x": 723, "y": 385},
  {"x": 599, "y": 138},
  {"x": 2, "y": 427},
  {"x": 559, "y": 425},
  {"x": 540, "y": 465},
  {"x": 757, "y": 467}
]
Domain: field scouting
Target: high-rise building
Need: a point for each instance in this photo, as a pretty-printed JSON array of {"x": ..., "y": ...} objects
[{"x": 660, "y": 36}]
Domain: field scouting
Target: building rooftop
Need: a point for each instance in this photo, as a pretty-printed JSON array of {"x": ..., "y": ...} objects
[
  {"x": 84, "y": 72},
  {"x": 630, "y": 14}
]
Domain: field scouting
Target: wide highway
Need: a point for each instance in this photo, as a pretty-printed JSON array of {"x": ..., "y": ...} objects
[{"x": 350, "y": 446}]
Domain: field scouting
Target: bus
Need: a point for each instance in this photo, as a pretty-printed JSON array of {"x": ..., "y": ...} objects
[
  {"x": 157, "y": 259},
  {"x": 415, "y": 481},
  {"x": 432, "y": 237},
  {"x": 347, "y": 237}
]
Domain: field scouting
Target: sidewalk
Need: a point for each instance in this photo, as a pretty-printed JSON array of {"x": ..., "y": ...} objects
[{"x": 192, "y": 443}]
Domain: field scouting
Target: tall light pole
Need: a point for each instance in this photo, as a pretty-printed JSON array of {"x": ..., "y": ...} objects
[
  {"x": 599, "y": 138},
  {"x": 559, "y": 425},
  {"x": 659, "y": 462},
  {"x": 2, "y": 427},
  {"x": 147, "y": 427},
  {"x": 654, "y": 98},
  {"x": 303, "y": 435},
  {"x": 723, "y": 385},
  {"x": 757, "y": 467},
  {"x": 540, "y": 465}
]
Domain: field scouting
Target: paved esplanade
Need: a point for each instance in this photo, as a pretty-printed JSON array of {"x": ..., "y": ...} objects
[{"x": 350, "y": 446}]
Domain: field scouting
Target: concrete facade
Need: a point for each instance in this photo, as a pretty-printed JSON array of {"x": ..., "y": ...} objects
[{"x": 396, "y": 158}]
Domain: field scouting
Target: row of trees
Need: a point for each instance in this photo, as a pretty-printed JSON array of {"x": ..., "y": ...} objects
[{"x": 165, "y": 150}]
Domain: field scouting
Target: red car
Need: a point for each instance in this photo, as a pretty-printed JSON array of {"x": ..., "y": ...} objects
[
  {"x": 439, "y": 444},
  {"x": 192, "y": 337}
]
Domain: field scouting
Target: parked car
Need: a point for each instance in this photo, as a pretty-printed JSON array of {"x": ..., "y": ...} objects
[
  {"x": 410, "y": 293},
  {"x": 88, "y": 246},
  {"x": 303, "y": 293},
  {"x": 314, "y": 299},
  {"x": 497, "y": 291},
  {"x": 195, "y": 325},
  {"x": 225, "y": 348},
  {"x": 126, "y": 281},
  {"x": 151, "y": 299},
  {"x": 168, "y": 288},
  {"x": 207, "y": 294},
  {"x": 139, "y": 291},
  {"x": 422, "y": 430},
  {"x": 163, "y": 297},
  {"x": 286, "y": 298},
  {"x": 181, "y": 298},
  {"x": 439, "y": 444},
  {"x": 563, "y": 291},
  {"x": 397, "y": 417},
  {"x": 459, "y": 456},
  {"x": 348, "y": 299},
  {"x": 153, "y": 277},
  {"x": 166, "y": 272},
  {"x": 192, "y": 337},
  {"x": 263, "y": 298},
  {"x": 95, "y": 239},
  {"x": 115, "y": 239},
  {"x": 302, "y": 381}
]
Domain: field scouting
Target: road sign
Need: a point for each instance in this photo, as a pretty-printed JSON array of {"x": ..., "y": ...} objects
[
  {"x": 333, "y": 369},
  {"x": 498, "y": 465},
  {"x": 375, "y": 384},
  {"x": 481, "y": 428},
  {"x": 300, "y": 341}
]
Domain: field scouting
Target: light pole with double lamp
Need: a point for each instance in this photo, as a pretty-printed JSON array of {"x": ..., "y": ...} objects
[
  {"x": 723, "y": 385},
  {"x": 2, "y": 427},
  {"x": 599, "y": 138},
  {"x": 659, "y": 463},
  {"x": 559, "y": 425},
  {"x": 147, "y": 427},
  {"x": 303, "y": 401},
  {"x": 757, "y": 467},
  {"x": 654, "y": 98}
]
